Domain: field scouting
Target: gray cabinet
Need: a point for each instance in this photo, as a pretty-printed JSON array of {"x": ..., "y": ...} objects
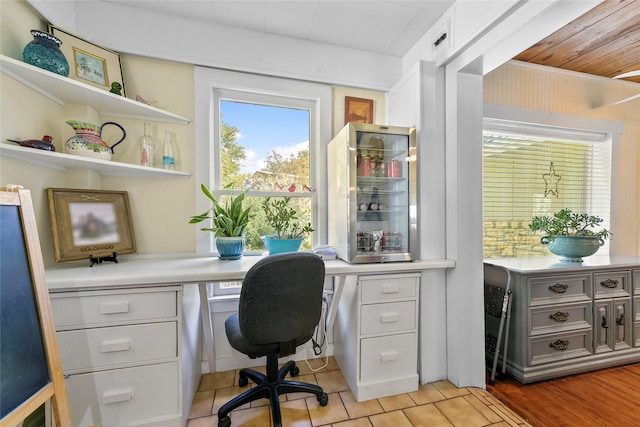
[{"x": 568, "y": 318}]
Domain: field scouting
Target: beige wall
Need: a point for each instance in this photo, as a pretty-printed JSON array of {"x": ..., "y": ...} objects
[
  {"x": 548, "y": 89},
  {"x": 160, "y": 207}
]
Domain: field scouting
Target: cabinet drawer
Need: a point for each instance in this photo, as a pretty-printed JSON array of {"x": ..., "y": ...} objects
[
  {"x": 100, "y": 348},
  {"x": 636, "y": 334},
  {"x": 388, "y": 358},
  {"x": 86, "y": 310},
  {"x": 558, "y": 318},
  {"x": 556, "y": 347},
  {"x": 558, "y": 289},
  {"x": 636, "y": 308},
  {"x": 120, "y": 396},
  {"x": 612, "y": 284},
  {"x": 390, "y": 286},
  {"x": 387, "y": 317},
  {"x": 636, "y": 282}
]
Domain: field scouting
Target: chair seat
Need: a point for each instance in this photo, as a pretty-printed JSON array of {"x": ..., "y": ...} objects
[{"x": 237, "y": 341}]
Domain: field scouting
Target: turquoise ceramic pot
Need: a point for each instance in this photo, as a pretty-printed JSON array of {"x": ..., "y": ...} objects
[
  {"x": 44, "y": 52},
  {"x": 230, "y": 247},
  {"x": 572, "y": 248},
  {"x": 276, "y": 246}
]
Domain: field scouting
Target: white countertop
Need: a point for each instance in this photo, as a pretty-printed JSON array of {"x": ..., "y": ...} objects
[
  {"x": 163, "y": 270},
  {"x": 553, "y": 264}
]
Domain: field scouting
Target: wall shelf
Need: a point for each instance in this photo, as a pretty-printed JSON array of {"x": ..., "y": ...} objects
[
  {"x": 68, "y": 161},
  {"x": 64, "y": 90}
]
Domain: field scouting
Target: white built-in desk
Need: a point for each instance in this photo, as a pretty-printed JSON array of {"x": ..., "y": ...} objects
[{"x": 148, "y": 295}]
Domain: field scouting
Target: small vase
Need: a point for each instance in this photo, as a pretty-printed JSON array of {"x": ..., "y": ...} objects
[
  {"x": 44, "y": 52},
  {"x": 277, "y": 246},
  {"x": 230, "y": 247}
]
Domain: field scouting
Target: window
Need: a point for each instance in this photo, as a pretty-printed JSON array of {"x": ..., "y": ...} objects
[
  {"x": 265, "y": 135},
  {"x": 531, "y": 170},
  {"x": 264, "y": 149}
]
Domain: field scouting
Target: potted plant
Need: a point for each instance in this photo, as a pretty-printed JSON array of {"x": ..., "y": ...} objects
[
  {"x": 289, "y": 232},
  {"x": 570, "y": 235},
  {"x": 228, "y": 221}
]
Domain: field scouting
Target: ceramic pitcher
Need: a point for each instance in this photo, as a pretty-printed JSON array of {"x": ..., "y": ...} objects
[{"x": 88, "y": 140}]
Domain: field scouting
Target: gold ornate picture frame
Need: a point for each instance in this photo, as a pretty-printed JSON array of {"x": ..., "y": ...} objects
[
  {"x": 90, "y": 223},
  {"x": 90, "y": 63}
]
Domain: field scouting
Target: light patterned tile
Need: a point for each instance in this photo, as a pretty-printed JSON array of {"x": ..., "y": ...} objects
[
  {"x": 332, "y": 413},
  {"x": 427, "y": 393},
  {"x": 211, "y": 421},
  {"x": 357, "y": 409},
  {"x": 390, "y": 419},
  {"x": 426, "y": 416},
  {"x": 482, "y": 408},
  {"x": 449, "y": 390},
  {"x": 317, "y": 365},
  {"x": 217, "y": 380},
  {"x": 223, "y": 395},
  {"x": 309, "y": 378},
  {"x": 398, "y": 401},
  {"x": 461, "y": 413},
  {"x": 332, "y": 381},
  {"x": 360, "y": 422},
  {"x": 252, "y": 417},
  {"x": 295, "y": 414},
  {"x": 202, "y": 404}
]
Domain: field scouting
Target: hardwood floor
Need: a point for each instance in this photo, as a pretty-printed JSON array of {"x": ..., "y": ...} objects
[{"x": 608, "y": 397}]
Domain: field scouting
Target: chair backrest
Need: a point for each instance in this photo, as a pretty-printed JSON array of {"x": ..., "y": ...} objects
[{"x": 281, "y": 298}]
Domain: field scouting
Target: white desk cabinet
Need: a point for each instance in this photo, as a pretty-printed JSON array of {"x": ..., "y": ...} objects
[
  {"x": 375, "y": 334},
  {"x": 121, "y": 355},
  {"x": 568, "y": 317}
]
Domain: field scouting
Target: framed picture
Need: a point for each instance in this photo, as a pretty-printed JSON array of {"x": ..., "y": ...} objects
[
  {"x": 88, "y": 223},
  {"x": 358, "y": 110},
  {"x": 89, "y": 63}
]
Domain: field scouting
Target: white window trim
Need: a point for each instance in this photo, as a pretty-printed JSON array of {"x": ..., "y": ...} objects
[
  {"x": 569, "y": 123},
  {"x": 209, "y": 80}
]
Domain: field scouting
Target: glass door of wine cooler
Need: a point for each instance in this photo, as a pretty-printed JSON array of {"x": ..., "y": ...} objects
[{"x": 380, "y": 167}]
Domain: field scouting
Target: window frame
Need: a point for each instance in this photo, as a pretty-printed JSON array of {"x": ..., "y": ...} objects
[
  {"x": 210, "y": 84},
  {"x": 581, "y": 128}
]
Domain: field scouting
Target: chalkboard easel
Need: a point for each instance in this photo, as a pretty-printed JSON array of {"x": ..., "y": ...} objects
[{"x": 30, "y": 366}]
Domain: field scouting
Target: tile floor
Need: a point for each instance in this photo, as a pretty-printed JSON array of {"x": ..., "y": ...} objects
[{"x": 437, "y": 404}]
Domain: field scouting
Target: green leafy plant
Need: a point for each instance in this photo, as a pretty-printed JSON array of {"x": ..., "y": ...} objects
[
  {"x": 228, "y": 219},
  {"x": 284, "y": 219},
  {"x": 567, "y": 223}
]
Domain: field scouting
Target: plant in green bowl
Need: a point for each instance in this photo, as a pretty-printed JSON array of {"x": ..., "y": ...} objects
[
  {"x": 567, "y": 223},
  {"x": 284, "y": 219}
]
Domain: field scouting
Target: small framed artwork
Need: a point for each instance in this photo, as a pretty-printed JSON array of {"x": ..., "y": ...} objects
[
  {"x": 90, "y": 223},
  {"x": 90, "y": 63},
  {"x": 358, "y": 110}
]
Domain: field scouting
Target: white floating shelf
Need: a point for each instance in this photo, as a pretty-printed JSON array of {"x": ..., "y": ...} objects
[
  {"x": 64, "y": 161},
  {"x": 64, "y": 90}
]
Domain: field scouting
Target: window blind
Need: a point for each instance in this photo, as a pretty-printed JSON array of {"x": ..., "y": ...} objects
[{"x": 537, "y": 170}]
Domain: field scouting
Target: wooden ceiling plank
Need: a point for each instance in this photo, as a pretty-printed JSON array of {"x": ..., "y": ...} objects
[
  {"x": 614, "y": 27},
  {"x": 612, "y": 55},
  {"x": 594, "y": 16}
]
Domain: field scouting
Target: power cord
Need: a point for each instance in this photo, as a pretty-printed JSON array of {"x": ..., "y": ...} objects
[{"x": 318, "y": 341}]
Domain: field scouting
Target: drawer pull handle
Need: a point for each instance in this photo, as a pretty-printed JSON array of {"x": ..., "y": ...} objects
[
  {"x": 559, "y": 345},
  {"x": 390, "y": 288},
  {"x": 388, "y": 356},
  {"x": 114, "y": 307},
  {"x": 559, "y": 316},
  {"x": 604, "y": 323},
  {"x": 609, "y": 283},
  {"x": 559, "y": 288},
  {"x": 388, "y": 317},
  {"x": 115, "y": 345},
  {"x": 116, "y": 396},
  {"x": 620, "y": 320}
]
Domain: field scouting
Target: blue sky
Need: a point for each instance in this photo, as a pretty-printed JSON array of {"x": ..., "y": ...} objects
[{"x": 264, "y": 128}]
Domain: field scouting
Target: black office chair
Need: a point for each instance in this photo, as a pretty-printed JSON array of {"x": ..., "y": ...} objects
[{"x": 280, "y": 307}]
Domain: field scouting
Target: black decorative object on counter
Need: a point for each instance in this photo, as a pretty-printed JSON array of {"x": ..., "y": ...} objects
[{"x": 44, "y": 52}]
